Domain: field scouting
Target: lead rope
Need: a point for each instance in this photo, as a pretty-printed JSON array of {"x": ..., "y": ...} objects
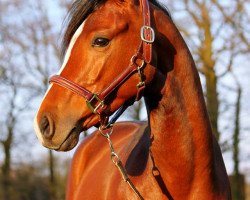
[{"x": 117, "y": 161}]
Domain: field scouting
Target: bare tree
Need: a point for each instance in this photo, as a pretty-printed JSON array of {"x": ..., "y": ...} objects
[
  {"x": 10, "y": 109},
  {"x": 6, "y": 143},
  {"x": 44, "y": 50},
  {"x": 217, "y": 39},
  {"x": 237, "y": 178},
  {"x": 27, "y": 60}
]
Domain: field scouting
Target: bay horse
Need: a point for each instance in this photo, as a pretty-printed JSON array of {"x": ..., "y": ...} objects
[{"x": 117, "y": 51}]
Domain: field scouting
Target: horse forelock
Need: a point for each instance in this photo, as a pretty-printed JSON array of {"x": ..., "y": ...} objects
[{"x": 78, "y": 13}]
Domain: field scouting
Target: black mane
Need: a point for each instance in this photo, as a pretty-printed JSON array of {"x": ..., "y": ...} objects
[{"x": 80, "y": 10}]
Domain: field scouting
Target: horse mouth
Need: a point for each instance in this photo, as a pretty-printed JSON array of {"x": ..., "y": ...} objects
[
  {"x": 71, "y": 141},
  {"x": 73, "y": 137}
]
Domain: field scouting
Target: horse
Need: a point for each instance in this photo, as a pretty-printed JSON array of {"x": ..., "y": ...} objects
[{"x": 116, "y": 52}]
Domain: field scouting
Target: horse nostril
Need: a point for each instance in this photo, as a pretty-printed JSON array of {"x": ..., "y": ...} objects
[{"x": 47, "y": 127}]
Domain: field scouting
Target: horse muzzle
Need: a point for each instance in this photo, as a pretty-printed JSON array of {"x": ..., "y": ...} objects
[{"x": 61, "y": 138}]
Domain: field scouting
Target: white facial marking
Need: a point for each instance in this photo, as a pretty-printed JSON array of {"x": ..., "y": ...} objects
[
  {"x": 71, "y": 45},
  {"x": 66, "y": 59},
  {"x": 36, "y": 126}
]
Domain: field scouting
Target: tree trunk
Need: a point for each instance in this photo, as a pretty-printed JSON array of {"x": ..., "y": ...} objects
[
  {"x": 212, "y": 99},
  {"x": 208, "y": 61},
  {"x": 237, "y": 179},
  {"x": 6, "y": 167},
  {"x": 52, "y": 180}
]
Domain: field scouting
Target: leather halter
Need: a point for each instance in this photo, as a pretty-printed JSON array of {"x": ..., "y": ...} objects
[{"x": 96, "y": 101}]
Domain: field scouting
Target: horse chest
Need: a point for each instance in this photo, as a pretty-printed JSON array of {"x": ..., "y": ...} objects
[
  {"x": 98, "y": 178},
  {"x": 103, "y": 182}
]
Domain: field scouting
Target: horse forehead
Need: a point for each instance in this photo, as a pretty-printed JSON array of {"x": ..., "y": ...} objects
[{"x": 105, "y": 18}]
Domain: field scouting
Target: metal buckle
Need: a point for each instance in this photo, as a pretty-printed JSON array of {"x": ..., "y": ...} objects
[
  {"x": 143, "y": 34},
  {"x": 93, "y": 108},
  {"x": 141, "y": 83}
]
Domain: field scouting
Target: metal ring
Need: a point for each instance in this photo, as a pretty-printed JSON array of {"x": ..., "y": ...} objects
[
  {"x": 108, "y": 134},
  {"x": 134, "y": 58}
]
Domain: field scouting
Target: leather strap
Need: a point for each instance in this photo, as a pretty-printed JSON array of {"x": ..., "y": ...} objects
[
  {"x": 147, "y": 31},
  {"x": 89, "y": 96},
  {"x": 59, "y": 80}
]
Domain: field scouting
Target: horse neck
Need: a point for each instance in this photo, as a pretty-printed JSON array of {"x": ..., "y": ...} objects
[
  {"x": 182, "y": 141},
  {"x": 180, "y": 117}
]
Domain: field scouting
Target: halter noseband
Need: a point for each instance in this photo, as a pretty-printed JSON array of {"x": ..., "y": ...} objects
[{"x": 95, "y": 101}]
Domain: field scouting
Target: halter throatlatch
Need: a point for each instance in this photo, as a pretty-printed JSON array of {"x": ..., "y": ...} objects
[{"x": 96, "y": 101}]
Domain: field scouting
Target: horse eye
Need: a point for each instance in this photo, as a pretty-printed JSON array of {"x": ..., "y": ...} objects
[{"x": 100, "y": 42}]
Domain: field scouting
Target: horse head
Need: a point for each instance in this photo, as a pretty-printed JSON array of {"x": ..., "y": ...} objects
[{"x": 102, "y": 42}]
